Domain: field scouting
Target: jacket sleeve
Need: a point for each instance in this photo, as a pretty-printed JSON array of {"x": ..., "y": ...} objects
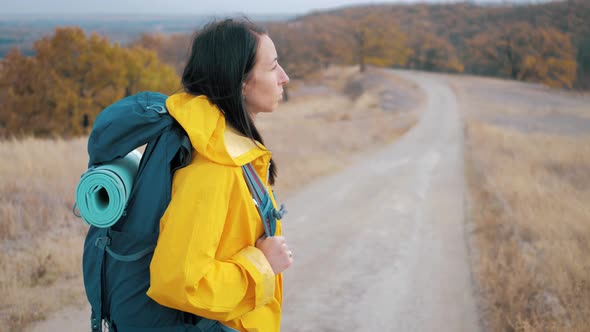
[{"x": 184, "y": 273}]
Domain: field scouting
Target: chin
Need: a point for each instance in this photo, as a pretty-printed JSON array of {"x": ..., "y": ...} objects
[
  {"x": 273, "y": 108},
  {"x": 266, "y": 110}
]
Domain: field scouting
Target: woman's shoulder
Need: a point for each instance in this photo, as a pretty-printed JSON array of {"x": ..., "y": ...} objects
[{"x": 204, "y": 172}]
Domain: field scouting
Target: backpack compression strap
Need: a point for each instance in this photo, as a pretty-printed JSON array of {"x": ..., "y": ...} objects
[{"x": 267, "y": 211}]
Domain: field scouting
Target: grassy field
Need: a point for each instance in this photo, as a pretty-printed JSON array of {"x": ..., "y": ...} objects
[
  {"x": 529, "y": 207},
  {"x": 40, "y": 239},
  {"x": 328, "y": 121}
]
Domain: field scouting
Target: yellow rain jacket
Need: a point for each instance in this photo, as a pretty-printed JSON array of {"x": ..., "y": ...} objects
[{"x": 205, "y": 261}]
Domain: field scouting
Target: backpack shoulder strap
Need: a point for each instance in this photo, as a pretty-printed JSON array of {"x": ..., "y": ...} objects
[{"x": 262, "y": 200}]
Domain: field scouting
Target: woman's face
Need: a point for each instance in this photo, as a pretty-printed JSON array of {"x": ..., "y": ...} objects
[{"x": 263, "y": 89}]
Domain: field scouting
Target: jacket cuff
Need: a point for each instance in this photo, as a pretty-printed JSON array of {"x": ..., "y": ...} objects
[{"x": 254, "y": 261}]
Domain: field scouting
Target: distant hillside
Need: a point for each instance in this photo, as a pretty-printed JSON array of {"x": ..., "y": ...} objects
[
  {"x": 539, "y": 41},
  {"x": 23, "y": 30},
  {"x": 480, "y": 39}
]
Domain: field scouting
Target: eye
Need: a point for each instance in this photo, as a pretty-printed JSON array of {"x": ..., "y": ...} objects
[{"x": 275, "y": 66}]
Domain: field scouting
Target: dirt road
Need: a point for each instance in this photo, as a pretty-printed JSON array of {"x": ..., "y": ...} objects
[{"x": 380, "y": 247}]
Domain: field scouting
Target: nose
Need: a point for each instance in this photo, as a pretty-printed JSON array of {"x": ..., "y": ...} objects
[{"x": 283, "y": 78}]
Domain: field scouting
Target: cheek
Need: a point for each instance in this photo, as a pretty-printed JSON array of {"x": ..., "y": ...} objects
[{"x": 265, "y": 88}]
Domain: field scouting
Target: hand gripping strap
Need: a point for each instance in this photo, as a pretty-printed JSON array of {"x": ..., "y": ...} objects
[{"x": 262, "y": 200}]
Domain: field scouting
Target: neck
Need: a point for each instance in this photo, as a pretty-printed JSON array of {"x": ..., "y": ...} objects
[{"x": 253, "y": 116}]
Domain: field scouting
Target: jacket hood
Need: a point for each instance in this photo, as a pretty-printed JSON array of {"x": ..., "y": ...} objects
[{"x": 206, "y": 128}]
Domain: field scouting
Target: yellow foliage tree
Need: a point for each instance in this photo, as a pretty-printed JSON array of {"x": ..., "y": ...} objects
[
  {"x": 379, "y": 42},
  {"x": 432, "y": 53},
  {"x": 71, "y": 78},
  {"x": 365, "y": 38},
  {"x": 526, "y": 53},
  {"x": 553, "y": 62},
  {"x": 171, "y": 49}
]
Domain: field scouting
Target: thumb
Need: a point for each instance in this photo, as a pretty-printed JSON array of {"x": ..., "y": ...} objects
[{"x": 260, "y": 239}]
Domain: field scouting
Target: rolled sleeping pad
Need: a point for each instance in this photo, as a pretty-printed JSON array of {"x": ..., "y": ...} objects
[{"x": 103, "y": 191}]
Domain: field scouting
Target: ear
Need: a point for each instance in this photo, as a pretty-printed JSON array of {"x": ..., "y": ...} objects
[{"x": 244, "y": 88}]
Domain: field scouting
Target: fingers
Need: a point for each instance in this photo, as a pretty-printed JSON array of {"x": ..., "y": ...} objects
[
  {"x": 277, "y": 252},
  {"x": 284, "y": 251},
  {"x": 289, "y": 259},
  {"x": 289, "y": 253}
]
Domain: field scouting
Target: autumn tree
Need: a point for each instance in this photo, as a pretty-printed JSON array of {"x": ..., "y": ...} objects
[
  {"x": 173, "y": 50},
  {"x": 522, "y": 52},
  {"x": 369, "y": 38},
  {"x": 432, "y": 53},
  {"x": 71, "y": 78},
  {"x": 296, "y": 48},
  {"x": 379, "y": 42}
]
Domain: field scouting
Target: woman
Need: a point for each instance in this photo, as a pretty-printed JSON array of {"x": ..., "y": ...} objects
[{"x": 211, "y": 258}]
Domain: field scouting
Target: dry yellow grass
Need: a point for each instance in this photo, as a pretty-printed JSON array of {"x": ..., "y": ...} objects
[
  {"x": 530, "y": 226},
  {"x": 40, "y": 254},
  {"x": 41, "y": 241}
]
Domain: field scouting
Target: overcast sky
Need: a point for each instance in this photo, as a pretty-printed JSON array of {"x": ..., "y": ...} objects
[{"x": 188, "y": 6}]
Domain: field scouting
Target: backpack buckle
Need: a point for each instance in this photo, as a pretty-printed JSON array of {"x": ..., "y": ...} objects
[{"x": 102, "y": 242}]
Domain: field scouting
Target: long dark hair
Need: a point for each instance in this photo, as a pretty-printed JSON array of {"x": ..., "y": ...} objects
[{"x": 222, "y": 56}]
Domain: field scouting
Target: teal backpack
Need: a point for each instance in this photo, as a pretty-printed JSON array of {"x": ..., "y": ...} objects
[{"x": 118, "y": 252}]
